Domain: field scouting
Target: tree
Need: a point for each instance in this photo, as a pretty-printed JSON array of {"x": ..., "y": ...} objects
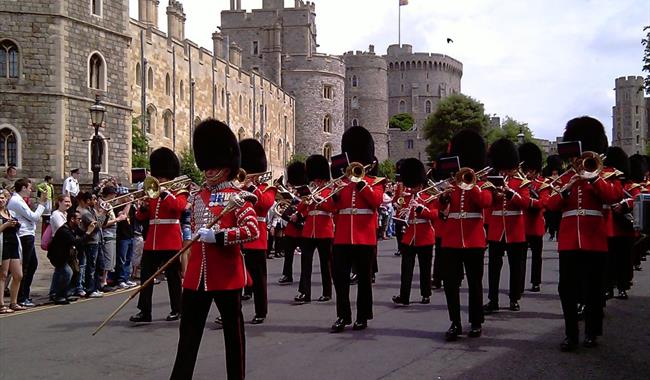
[
  {"x": 297, "y": 157},
  {"x": 189, "y": 168},
  {"x": 453, "y": 114},
  {"x": 646, "y": 58},
  {"x": 387, "y": 169},
  {"x": 509, "y": 129},
  {"x": 139, "y": 147},
  {"x": 403, "y": 121}
]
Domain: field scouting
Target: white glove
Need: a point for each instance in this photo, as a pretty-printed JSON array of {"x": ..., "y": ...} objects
[{"x": 206, "y": 235}]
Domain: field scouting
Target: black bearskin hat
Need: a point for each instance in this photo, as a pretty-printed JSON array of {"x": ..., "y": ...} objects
[
  {"x": 215, "y": 146},
  {"x": 317, "y": 167},
  {"x": 412, "y": 172},
  {"x": 469, "y": 146},
  {"x": 553, "y": 162},
  {"x": 617, "y": 159},
  {"x": 638, "y": 168},
  {"x": 531, "y": 155},
  {"x": 589, "y": 131},
  {"x": 357, "y": 142},
  {"x": 503, "y": 155},
  {"x": 164, "y": 163},
  {"x": 253, "y": 158},
  {"x": 296, "y": 174}
]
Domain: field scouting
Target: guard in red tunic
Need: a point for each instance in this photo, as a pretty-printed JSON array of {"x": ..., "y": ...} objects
[
  {"x": 296, "y": 177},
  {"x": 638, "y": 184},
  {"x": 318, "y": 232},
  {"x": 463, "y": 240},
  {"x": 506, "y": 224},
  {"x": 164, "y": 235},
  {"x": 398, "y": 197},
  {"x": 419, "y": 237},
  {"x": 253, "y": 160},
  {"x": 216, "y": 271},
  {"x": 355, "y": 235},
  {"x": 582, "y": 241},
  {"x": 531, "y": 158}
]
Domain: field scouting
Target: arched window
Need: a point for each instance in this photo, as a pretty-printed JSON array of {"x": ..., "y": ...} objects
[
  {"x": 408, "y": 65},
  {"x": 267, "y": 144},
  {"x": 9, "y": 153},
  {"x": 181, "y": 91},
  {"x": 151, "y": 119},
  {"x": 637, "y": 124},
  {"x": 9, "y": 59},
  {"x": 150, "y": 79},
  {"x": 402, "y": 106},
  {"x": 241, "y": 134},
  {"x": 355, "y": 122},
  {"x": 167, "y": 123},
  {"x": 390, "y": 66},
  {"x": 355, "y": 81},
  {"x": 327, "y": 151},
  {"x": 250, "y": 109},
  {"x": 241, "y": 105},
  {"x": 96, "y": 71},
  {"x": 355, "y": 102},
  {"x": 279, "y": 152},
  {"x": 138, "y": 74},
  {"x": 197, "y": 121},
  {"x": 427, "y": 105},
  {"x": 637, "y": 139},
  {"x": 104, "y": 168},
  {"x": 401, "y": 65},
  {"x": 401, "y": 87},
  {"x": 223, "y": 98},
  {"x": 327, "y": 124},
  {"x": 168, "y": 85}
]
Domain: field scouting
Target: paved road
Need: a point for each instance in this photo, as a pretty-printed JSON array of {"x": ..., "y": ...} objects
[{"x": 54, "y": 342}]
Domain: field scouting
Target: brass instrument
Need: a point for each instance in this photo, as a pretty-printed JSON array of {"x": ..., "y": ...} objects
[
  {"x": 151, "y": 188},
  {"x": 257, "y": 178},
  {"x": 587, "y": 166},
  {"x": 355, "y": 172}
]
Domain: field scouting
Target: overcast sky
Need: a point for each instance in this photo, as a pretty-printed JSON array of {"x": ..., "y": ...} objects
[{"x": 539, "y": 61}]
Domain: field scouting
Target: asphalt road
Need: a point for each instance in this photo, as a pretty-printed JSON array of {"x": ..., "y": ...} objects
[{"x": 55, "y": 342}]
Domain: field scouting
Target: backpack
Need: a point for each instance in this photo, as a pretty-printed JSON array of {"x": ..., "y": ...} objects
[{"x": 46, "y": 239}]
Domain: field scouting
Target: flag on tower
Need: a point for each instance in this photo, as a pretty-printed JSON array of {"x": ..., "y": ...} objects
[{"x": 403, "y": 2}]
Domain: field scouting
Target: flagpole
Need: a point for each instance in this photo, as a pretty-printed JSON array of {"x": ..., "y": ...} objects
[{"x": 399, "y": 24}]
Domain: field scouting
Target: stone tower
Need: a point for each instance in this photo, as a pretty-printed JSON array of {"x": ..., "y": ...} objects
[
  {"x": 366, "y": 96},
  {"x": 630, "y": 125}
]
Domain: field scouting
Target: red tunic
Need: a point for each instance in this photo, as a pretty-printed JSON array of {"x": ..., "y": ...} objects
[
  {"x": 220, "y": 268},
  {"x": 535, "y": 212},
  {"x": 419, "y": 230},
  {"x": 319, "y": 222},
  {"x": 265, "y": 199},
  {"x": 506, "y": 221},
  {"x": 464, "y": 225},
  {"x": 164, "y": 221}
]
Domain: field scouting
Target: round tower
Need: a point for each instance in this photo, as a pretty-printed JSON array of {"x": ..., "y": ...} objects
[
  {"x": 366, "y": 96},
  {"x": 630, "y": 125}
]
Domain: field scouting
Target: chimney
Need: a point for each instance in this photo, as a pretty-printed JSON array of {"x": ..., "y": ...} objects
[
  {"x": 371, "y": 49},
  {"x": 217, "y": 44},
  {"x": 148, "y": 12},
  {"x": 175, "y": 20},
  {"x": 235, "y": 54}
]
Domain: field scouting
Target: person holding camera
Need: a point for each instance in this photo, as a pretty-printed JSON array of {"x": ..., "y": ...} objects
[{"x": 10, "y": 251}]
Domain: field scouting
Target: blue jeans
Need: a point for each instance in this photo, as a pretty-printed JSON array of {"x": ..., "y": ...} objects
[
  {"x": 61, "y": 281},
  {"x": 124, "y": 255},
  {"x": 391, "y": 226},
  {"x": 90, "y": 272}
]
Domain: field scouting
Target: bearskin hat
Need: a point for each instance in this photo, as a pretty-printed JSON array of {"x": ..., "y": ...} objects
[
  {"x": 638, "y": 168},
  {"x": 215, "y": 146},
  {"x": 253, "y": 158},
  {"x": 317, "y": 167},
  {"x": 359, "y": 145},
  {"x": 503, "y": 155},
  {"x": 412, "y": 172},
  {"x": 589, "y": 131},
  {"x": 617, "y": 158},
  {"x": 164, "y": 163},
  {"x": 553, "y": 162},
  {"x": 469, "y": 146},
  {"x": 531, "y": 155},
  {"x": 296, "y": 174}
]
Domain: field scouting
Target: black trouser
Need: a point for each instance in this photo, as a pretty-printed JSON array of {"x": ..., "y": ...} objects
[
  {"x": 343, "y": 257},
  {"x": 452, "y": 262},
  {"x": 30, "y": 264},
  {"x": 536, "y": 245},
  {"x": 619, "y": 262},
  {"x": 196, "y": 305},
  {"x": 552, "y": 219},
  {"x": 255, "y": 260},
  {"x": 307, "y": 248},
  {"x": 425, "y": 256},
  {"x": 581, "y": 273},
  {"x": 437, "y": 260},
  {"x": 516, "y": 252},
  {"x": 290, "y": 245},
  {"x": 151, "y": 261},
  {"x": 399, "y": 233}
]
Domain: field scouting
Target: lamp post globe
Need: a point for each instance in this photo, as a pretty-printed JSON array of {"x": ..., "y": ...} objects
[
  {"x": 97, "y": 113},
  {"x": 521, "y": 137}
]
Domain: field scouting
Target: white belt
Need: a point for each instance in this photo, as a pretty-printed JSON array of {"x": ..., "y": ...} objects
[
  {"x": 319, "y": 212},
  {"x": 507, "y": 213},
  {"x": 606, "y": 207},
  {"x": 164, "y": 221},
  {"x": 418, "y": 221},
  {"x": 581, "y": 212},
  {"x": 261, "y": 219},
  {"x": 356, "y": 211},
  {"x": 464, "y": 215}
]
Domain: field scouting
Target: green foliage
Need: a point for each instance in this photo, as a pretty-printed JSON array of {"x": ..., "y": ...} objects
[
  {"x": 509, "y": 129},
  {"x": 453, "y": 114},
  {"x": 646, "y": 58},
  {"x": 139, "y": 146},
  {"x": 387, "y": 169},
  {"x": 189, "y": 168},
  {"x": 297, "y": 157},
  {"x": 403, "y": 121}
]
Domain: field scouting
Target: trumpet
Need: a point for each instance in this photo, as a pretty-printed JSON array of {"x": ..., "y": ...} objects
[{"x": 151, "y": 189}]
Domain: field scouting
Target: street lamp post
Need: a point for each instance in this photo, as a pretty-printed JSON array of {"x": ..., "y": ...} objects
[
  {"x": 97, "y": 113},
  {"x": 520, "y": 136}
]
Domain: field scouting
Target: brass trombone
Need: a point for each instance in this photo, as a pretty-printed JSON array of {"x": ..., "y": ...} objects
[
  {"x": 258, "y": 178},
  {"x": 151, "y": 188},
  {"x": 588, "y": 166},
  {"x": 355, "y": 172}
]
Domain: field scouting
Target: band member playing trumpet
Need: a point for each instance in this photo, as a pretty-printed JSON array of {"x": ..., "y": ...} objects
[
  {"x": 463, "y": 241},
  {"x": 296, "y": 176},
  {"x": 164, "y": 235},
  {"x": 419, "y": 213},
  {"x": 637, "y": 185},
  {"x": 216, "y": 271}
]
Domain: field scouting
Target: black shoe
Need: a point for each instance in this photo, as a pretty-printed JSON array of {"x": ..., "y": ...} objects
[
  {"x": 140, "y": 318},
  {"x": 257, "y": 320},
  {"x": 609, "y": 294},
  {"x": 61, "y": 301},
  {"x": 425, "y": 300},
  {"x": 72, "y": 298},
  {"x": 246, "y": 297},
  {"x": 436, "y": 284},
  {"x": 218, "y": 321},
  {"x": 398, "y": 300},
  {"x": 568, "y": 345},
  {"x": 339, "y": 325},
  {"x": 490, "y": 307},
  {"x": 638, "y": 268},
  {"x": 354, "y": 279},
  {"x": 372, "y": 279},
  {"x": 514, "y": 306},
  {"x": 535, "y": 289},
  {"x": 622, "y": 295},
  {"x": 173, "y": 317},
  {"x": 581, "y": 311},
  {"x": 302, "y": 298},
  {"x": 360, "y": 325},
  {"x": 590, "y": 342},
  {"x": 475, "y": 332},
  {"x": 285, "y": 280},
  {"x": 324, "y": 298},
  {"x": 397, "y": 253},
  {"x": 453, "y": 332}
]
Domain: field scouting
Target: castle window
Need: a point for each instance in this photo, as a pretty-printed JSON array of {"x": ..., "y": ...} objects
[
  {"x": 150, "y": 79},
  {"x": 181, "y": 91},
  {"x": 168, "y": 85},
  {"x": 279, "y": 152},
  {"x": 327, "y": 151},
  {"x": 241, "y": 105},
  {"x": 401, "y": 87},
  {"x": 355, "y": 102},
  {"x": 8, "y": 148},
  {"x": 390, "y": 66},
  {"x": 241, "y": 134},
  {"x": 328, "y": 91},
  {"x": 255, "y": 48},
  {"x": 355, "y": 122},
  {"x": 427, "y": 83},
  {"x": 96, "y": 71},
  {"x": 167, "y": 123},
  {"x": 223, "y": 98},
  {"x": 401, "y": 65},
  {"x": 636, "y": 109},
  {"x": 427, "y": 105},
  {"x": 637, "y": 124},
  {"x": 250, "y": 109},
  {"x": 138, "y": 74},
  {"x": 637, "y": 139},
  {"x": 9, "y": 59},
  {"x": 355, "y": 81},
  {"x": 327, "y": 124},
  {"x": 151, "y": 118},
  {"x": 261, "y": 115},
  {"x": 402, "y": 106},
  {"x": 409, "y": 144},
  {"x": 96, "y": 7}
]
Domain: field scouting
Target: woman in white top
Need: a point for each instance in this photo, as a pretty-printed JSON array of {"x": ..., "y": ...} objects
[{"x": 59, "y": 215}]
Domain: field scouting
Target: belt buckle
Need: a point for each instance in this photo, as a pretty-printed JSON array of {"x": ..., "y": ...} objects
[
  {"x": 354, "y": 211},
  {"x": 581, "y": 212},
  {"x": 462, "y": 215}
]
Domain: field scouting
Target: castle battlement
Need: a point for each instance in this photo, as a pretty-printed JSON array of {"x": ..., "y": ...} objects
[{"x": 631, "y": 80}]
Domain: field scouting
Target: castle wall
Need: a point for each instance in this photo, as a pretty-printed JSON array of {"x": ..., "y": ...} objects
[
  {"x": 407, "y": 144},
  {"x": 630, "y": 120}
]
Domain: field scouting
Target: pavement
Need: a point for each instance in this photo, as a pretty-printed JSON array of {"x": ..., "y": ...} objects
[{"x": 55, "y": 342}]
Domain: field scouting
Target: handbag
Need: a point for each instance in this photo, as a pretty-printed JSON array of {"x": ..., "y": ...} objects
[{"x": 46, "y": 239}]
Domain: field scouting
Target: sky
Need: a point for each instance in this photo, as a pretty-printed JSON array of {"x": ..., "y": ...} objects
[{"x": 541, "y": 62}]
